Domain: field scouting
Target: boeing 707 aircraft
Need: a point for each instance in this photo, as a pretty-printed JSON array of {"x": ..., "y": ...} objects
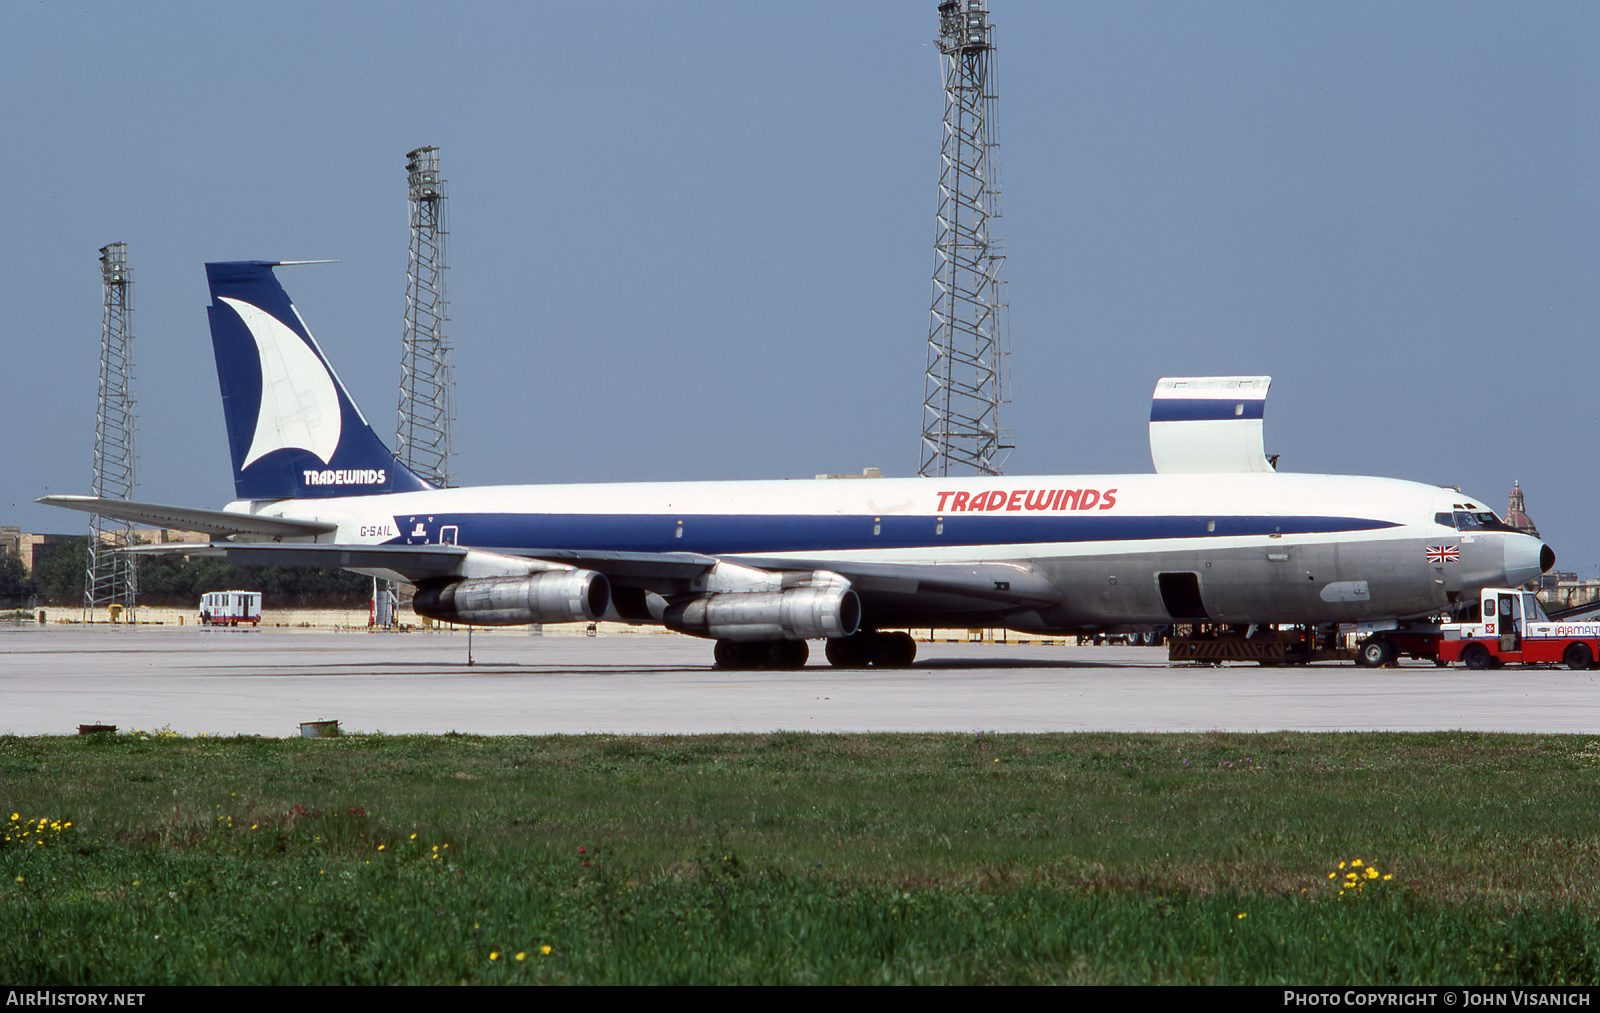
[{"x": 1216, "y": 535}]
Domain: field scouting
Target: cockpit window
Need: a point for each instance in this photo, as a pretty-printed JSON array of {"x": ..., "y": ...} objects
[{"x": 1473, "y": 520}]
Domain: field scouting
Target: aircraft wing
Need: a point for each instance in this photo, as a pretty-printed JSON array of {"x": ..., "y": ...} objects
[
  {"x": 213, "y": 522},
  {"x": 413, "y": 562},
  {"x": 994, "y": 584},
  {"x": 998, "y": 583},
  {"x": 1005, "y": 583},
  {"x": 421, "y": 562},
  {"x": 630, "y": 568}
]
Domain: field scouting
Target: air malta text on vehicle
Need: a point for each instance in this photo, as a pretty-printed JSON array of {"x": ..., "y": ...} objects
[
  {"x": 1028, "y": 499},
  {"x": 346, "y": 476}
]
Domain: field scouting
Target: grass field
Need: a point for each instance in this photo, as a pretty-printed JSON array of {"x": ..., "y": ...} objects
[{"x": 792, "y": 858}]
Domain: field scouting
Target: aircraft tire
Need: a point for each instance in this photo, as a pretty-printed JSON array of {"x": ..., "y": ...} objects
[
  {"x": 745, "y": 655},
  {"x": 1476, "y": 657},
  {"x": 731, "y": 654},
  {"x": 786, "y": 655},
  {"x": 896, "y": 650},
  {"x": 854, "y": 651},
  {"x": 1376, "y": 652},
  {"x": 1577, "y": 657}
]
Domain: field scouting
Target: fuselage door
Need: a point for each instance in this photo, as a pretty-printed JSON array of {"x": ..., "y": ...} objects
[{"x": 1180, "y": 593}]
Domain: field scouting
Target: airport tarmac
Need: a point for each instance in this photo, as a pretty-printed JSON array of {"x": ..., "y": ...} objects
[{"x": 266, "y": 682}]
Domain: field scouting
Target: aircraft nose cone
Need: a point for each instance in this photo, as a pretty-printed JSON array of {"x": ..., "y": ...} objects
[{"x": 1526, "y": 558}]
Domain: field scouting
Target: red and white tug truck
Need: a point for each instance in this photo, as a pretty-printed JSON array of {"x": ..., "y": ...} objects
[{"x": 1506, "y": 626}]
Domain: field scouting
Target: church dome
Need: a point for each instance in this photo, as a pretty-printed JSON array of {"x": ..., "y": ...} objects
[{"x": 1517, "y": 512}]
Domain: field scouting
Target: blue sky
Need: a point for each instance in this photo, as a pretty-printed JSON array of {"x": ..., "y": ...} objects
[{"x": 695, "y": 241}]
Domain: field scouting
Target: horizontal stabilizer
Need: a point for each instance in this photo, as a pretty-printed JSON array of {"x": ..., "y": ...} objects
[
  {"x": 1209, "y": 425},
  {"x": 212, "y": 522}
]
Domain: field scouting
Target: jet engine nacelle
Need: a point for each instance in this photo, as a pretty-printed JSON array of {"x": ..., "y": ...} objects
[
  {"x": 555, "y": 596},
  {"x": 808, "y": 612}
]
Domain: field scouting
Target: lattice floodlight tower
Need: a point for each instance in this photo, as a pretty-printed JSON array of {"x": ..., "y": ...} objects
[
  {"x": 966, "y": 338},
  {"x": 112, "y": 577},
  {"x": 423, "y": 436}
]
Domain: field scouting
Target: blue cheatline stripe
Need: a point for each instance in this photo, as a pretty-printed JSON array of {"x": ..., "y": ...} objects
[
  {"x": 719, "y": 534},
  {"x": 1206, "y": 409}
]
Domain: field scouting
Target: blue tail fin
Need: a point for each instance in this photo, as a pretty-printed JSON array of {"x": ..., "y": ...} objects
[{"x": 293, "y": 430}]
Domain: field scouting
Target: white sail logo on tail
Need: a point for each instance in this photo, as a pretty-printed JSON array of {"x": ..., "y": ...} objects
[{"x": 299, "y": 404}]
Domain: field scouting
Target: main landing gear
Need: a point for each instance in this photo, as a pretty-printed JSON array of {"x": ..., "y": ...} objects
[
  {"x": 749, "y": 654},
  {"x": 868, "y": 647}
]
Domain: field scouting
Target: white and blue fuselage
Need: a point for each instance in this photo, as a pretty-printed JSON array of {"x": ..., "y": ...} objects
[{"x": 1261, "y": 548}]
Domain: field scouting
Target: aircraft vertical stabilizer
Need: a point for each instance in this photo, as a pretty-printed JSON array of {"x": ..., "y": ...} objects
[{"x": 293, "y": 430}]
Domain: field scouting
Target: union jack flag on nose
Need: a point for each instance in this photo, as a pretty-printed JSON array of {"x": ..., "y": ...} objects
[{"x": 1444, "y": 554}]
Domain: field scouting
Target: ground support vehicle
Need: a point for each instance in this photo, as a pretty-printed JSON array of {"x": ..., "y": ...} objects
[
  {"x": 230, "y": 608},
  {"x": 1415, "y": 640},
  {"x": 1506, "y": 626},
  {"x": 1268, "y": 645}
]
